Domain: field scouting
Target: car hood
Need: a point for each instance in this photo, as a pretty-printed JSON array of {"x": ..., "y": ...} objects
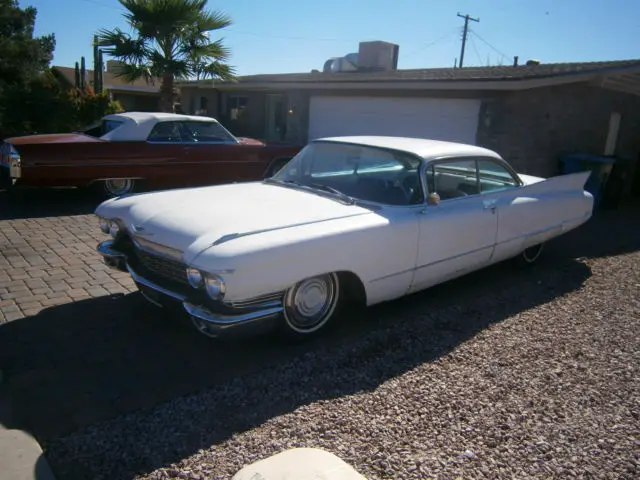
[
  {"x": 189, "y": 221},
  {"x": 52, "y": 138}
]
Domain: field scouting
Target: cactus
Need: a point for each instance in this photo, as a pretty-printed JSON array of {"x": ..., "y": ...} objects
[
  {"x": 77, "y": 76},
  {"x": 83, "y": 73},
  {"x": 97, "y": 66},
  {"x": 101, "y": 70}
]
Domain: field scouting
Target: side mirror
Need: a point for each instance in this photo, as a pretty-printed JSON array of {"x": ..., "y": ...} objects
[{"x": 433, "y": 199}]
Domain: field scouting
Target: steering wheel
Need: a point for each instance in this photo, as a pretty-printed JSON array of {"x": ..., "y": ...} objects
[{"x": 410, "y": 187}]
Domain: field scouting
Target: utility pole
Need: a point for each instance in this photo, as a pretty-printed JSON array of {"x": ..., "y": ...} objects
[{"x": 464, "y": 34}]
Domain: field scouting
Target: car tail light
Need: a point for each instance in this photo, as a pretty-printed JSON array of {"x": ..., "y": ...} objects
[{"x": 13, "y": 160}]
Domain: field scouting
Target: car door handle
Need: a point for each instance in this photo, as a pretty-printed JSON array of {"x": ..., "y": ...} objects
[{"x": 490, "y": 206}]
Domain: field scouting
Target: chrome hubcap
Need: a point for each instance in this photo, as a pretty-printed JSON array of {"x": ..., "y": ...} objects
[
  {"x": 118, "y": 186},
  {"x": 310, "y": 304},
  {"x": 531, "y": 254}
]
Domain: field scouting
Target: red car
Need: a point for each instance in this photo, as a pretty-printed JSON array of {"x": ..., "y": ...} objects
[{"x": 128, "y": 151}]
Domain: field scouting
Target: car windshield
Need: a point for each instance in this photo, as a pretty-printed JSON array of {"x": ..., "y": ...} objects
[{"x": 362, "y": 172}]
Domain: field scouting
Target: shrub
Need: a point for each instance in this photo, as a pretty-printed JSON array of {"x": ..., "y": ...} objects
[{"x": 44, "y": 106}]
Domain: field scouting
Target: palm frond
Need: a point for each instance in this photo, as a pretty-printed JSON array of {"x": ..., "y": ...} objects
[
  {"x": 132, "y": 72},
  {"x": 171, "y": 38},
  {"x": 212, "y": 51},
  {"x": 122, "y": 46},
  {"x": 218, "y": 70},
  {"x": 163, "y": 18},
  {"x": 208, "y": 22}
]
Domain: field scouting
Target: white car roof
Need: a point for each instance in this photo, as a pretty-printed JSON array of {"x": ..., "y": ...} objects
[
  {"x": 421, "y": 147},
  {"x": 137, "y": 125}
]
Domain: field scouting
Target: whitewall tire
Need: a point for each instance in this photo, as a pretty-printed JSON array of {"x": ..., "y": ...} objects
[
  {"x": 310, "y": 304},
  {"x": 116, "y": 187}
]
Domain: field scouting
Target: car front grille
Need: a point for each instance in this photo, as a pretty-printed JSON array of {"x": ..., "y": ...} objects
[{"x": 164, "y": 267}]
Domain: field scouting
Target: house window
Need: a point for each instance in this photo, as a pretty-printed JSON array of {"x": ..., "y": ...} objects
[
  {"x": 204, "y": 105},
  {"x": 236, "y": 106}
]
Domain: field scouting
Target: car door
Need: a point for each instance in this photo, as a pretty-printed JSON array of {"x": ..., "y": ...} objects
[
  {"x": 531, "y": 214},
  {"x": 216, "y": 157},
  {"x": 162, "y": 159},
  {"x": 458, "y": 234}
]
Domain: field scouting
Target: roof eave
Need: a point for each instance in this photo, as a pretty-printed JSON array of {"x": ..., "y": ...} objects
[
  {"x": 498, "y": 84},
  {"x": 131, "y": 89},
  {"x": 494, "y": 85}
]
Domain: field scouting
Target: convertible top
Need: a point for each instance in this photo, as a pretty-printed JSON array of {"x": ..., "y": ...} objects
[{"x": 138, "y": 125}]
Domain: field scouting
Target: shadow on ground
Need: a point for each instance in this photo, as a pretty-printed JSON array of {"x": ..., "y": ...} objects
[
  {"x": 46, "y": 202},
  {"x": 78, "y": 364},
  {"x": 608, "y": 232},
  {"x": 75, "y": 365}
]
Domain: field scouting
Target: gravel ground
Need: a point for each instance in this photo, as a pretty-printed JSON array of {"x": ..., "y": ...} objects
[{"x": 504, "y": 374}]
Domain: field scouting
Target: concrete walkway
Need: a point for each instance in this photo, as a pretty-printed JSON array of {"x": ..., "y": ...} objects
[
  {"x": 21, "y": 457},
  {"x": 299, "y": 464}
]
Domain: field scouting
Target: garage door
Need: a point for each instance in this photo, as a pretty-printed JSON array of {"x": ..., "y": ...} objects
[{"x": 440, "y": 119}]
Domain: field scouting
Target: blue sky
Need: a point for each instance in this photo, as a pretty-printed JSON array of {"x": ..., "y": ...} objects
[{"x": 280, "y": 36}]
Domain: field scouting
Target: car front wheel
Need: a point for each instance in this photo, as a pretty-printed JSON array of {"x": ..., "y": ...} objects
[{"x": 310, "y": 304}]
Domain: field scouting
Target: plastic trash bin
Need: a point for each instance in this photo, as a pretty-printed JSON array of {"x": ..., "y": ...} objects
[{"x": 600, "y": 167}]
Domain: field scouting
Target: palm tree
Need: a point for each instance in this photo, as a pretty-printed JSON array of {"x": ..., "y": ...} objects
[{"x": 170, "y": 40}]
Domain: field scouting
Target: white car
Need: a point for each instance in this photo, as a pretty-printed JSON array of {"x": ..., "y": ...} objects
[{"x": 364, "y": 219}]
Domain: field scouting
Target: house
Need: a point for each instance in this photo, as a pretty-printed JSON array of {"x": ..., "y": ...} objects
[
  {"x": 528, "y": 113},
  {"x": 133, "y": 96}
]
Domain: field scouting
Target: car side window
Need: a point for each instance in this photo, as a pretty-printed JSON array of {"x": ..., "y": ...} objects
[
  {"x": 165, "y": 132},
  {"x": 205, "y": 132},
  {"x": 453, "y": 178},
  {"x": 494, "y": 176}
]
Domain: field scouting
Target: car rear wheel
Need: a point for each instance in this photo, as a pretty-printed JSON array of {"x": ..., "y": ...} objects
[
  {"x": 310, "y": 304},
  {"x": 531, "y": 255},
  {"x": 115, "y": 187}
]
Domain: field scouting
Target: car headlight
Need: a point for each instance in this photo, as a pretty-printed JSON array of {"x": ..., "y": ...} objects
[
  {"x": 104, "y": 224},
  {"x": 196, "y": 280},
  {"x": 215, "y": 286}
]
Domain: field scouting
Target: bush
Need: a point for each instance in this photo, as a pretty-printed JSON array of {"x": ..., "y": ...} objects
[{"x": 43, "y": 106}]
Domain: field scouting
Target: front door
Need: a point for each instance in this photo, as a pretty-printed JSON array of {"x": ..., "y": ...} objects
[
  {"x": 275, "y": 118},
  {"x": 459, "y": 234}
]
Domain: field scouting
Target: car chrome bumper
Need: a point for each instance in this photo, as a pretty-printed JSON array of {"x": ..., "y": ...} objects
[
  {"x": 210, "y": 323},
  {"x": 112, "y": 258}
]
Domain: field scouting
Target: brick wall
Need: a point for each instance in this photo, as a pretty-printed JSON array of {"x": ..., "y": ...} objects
[{"x": 531, "y": 128}]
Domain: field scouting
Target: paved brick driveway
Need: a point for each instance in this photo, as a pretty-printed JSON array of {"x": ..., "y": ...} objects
[
  {"x": 48, "y": 257},
  {"x": 78, "y": 347}
]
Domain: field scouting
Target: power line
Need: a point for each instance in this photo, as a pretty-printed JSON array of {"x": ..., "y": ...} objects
[
  {"x": 431, "y": 43},
  {"x": 464, "y": 34},
  {"x": 489, "y": 45},
  {"x": 475, "y": 48},
  {"x": 290, "y": 37}
]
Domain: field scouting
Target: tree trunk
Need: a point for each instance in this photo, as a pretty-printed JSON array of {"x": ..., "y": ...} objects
[{"x": 167, "y": 93}]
